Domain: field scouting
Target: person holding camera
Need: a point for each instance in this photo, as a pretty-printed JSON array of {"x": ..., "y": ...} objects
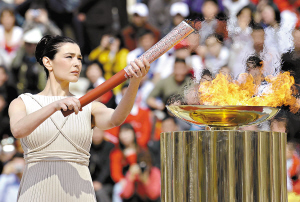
[
  {"x": 38, "y": 18},
  {"x": 142, "y": 180}
]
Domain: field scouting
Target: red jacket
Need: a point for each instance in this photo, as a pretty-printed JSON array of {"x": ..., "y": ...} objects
[
  {"x": 118, "y": 161},
  {"x": 150, "y": 190}
]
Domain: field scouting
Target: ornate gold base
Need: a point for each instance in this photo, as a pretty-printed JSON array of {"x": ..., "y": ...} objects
[{"x": 223, "y": 166}]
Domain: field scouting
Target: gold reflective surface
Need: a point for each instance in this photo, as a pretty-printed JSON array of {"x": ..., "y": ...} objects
[
  {"x": 223, "y": 116},
  {"x": 223, "y": 166}
]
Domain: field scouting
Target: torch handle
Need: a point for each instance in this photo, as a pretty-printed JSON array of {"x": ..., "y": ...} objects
[{"x": 106, "y": 86}]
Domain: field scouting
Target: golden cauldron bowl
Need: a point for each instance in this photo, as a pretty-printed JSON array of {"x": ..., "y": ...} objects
[{"x": 223, "y": 116}]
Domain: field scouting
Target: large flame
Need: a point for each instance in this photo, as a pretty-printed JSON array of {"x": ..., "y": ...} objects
[{"x": 279, "y": 90}]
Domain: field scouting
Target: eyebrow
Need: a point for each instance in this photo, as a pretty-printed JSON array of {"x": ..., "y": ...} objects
[{"x": 73, "y": 54}]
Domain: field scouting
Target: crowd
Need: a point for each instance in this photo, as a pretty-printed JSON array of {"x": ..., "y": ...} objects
[{"x": 261, "y": 37}]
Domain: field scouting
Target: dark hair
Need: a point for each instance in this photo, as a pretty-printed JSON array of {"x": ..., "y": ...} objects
[
  {"x": 218, "y": 37},
  {"x": 257, "y": 27},
  {"x": 143, "y": 32},
  {"x": 251, "y": 10},
  {"x": 276, "y": 12},
  {"x": 245, "y": 7},
  {"x": 255, "y": 61},
  {"x": 48, "y": 47},
  {"x": 179, "y": 60},
  {"x": 127, "y": 126},
  {"x": 89, "y": 63},
  {"x": 206, "y": 72}
]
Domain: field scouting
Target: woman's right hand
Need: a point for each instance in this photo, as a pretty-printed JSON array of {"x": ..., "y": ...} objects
[{"x": 70, "y": 103}]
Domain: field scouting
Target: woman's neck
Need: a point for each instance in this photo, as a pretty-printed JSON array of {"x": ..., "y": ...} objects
[{"x": 56, "y": 88}]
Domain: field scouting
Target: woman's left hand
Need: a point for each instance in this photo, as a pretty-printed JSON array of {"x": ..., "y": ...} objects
[{"x": 138, "y": 69}]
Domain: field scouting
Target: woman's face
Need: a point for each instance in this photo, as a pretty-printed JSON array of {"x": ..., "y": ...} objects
[
  {"x": 126, "y": 137},
  {"x": 7, "y": 20},
  {"x": 66, "y": 65},
  {"x": 245, "y": 16},
  {"x": 268, "y": 15}
]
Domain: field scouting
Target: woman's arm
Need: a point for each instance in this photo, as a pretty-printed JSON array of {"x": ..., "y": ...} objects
[
  {"x": 23, "y": 125},
  {"x": 105, "y": 118}
]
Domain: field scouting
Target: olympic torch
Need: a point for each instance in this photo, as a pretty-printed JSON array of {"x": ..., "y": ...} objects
[{"x": 171, "y": 39}]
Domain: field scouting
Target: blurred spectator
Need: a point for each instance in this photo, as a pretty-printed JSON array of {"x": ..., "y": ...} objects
[
  {"x": 269, "y": 54},
  {"x": 277, "y": 34},
  {"x": 293, "y": 166},
  {"x": 7, "y": 94},
  {"x": 138, "y": 23},
  {"x": 206, "y": 76},
  {"x": 10, "y": 36},
  {"x": 142, "y": 180},
  {"x": 168, "y": 124},
  {"x": 97, "y": 18},
  {"x": 196, "y": 7},
  {"x": 10, "y": 179},
  {"x": 239, "y": 31},
  {"x": 233, "y": 7},
  {"x": 99, "y": 166},
  {"x": 291, "y": 60},
  {"x": 7, "y": 151},
  {"x": 160, "y": 14},
  {"x": 38, "y": 18},
  {"x": 217, "y": 54},
  {"x": 121, "y": 157},
  {"x": 94, "y": 73},
  {"x": 112, "y": 55},
  {"x": 225, "y": 70},
  {"x": 279, "y": 123},
  {"x": 146, "y": 39},
  {"x": 184, "y": 50},
  {"x": 140, "y": 115},
  {"x": 29, "y": 75},
  {"x": 169, "y": 86},
  {"x": 211, "y": 24}
]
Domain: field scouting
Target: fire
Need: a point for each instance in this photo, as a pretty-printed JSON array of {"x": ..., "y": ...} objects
[{"x": 279, "y": 90}]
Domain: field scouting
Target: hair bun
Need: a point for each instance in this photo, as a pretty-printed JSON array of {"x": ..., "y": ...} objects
[{"x": 39, "y": 52}]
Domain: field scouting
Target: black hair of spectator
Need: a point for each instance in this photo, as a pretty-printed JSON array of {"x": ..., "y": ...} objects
[
  {"x": 48, "y": 47},
  {"x": 255, "y": 61},
  {"x": 125, "y": 85},
  {"x": 180, "y": 60},
  {"x": 276, "y": 12},
  {"x": 89, "y": 63},
  {"x": 127, "y": 126},
  {"x": 144, "y": 32},
  {"x": 218, "y": 37},
  {"x": 120, "y": 37},
  {"x": 206, "y": 72},
  {"x": 257, "y": 27},
  {"x": 252, "y": 13}
]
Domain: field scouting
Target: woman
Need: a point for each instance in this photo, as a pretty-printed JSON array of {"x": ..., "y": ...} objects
[
  {"x": 239, "y": 31},
  {"x": 10, "y": 36},
  {"x": 112, "y": 55},
  {"x": 122, "y": 157},
  {"x": 56, "y": 148}
]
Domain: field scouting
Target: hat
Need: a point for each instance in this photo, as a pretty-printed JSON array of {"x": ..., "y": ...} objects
[
  {"x": 33, "y": 36},
  {"x": 140, "y": 9},
  {"x": 179, "y": 8}
]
